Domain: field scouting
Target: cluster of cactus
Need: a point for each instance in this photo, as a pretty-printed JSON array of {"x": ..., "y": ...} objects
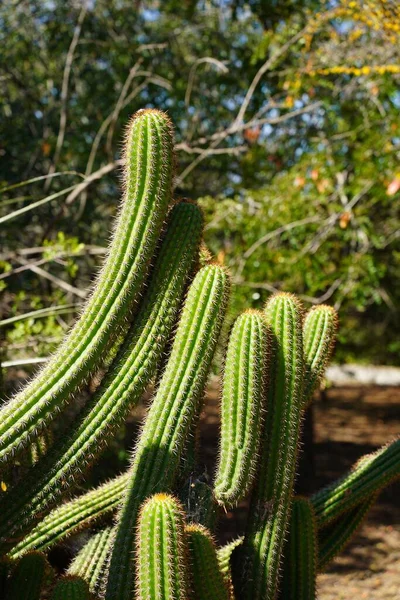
[{"x": 151, "y": 539}]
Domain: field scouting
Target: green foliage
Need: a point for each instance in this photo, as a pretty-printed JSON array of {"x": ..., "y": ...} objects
[{"x": 90, "y": 562}]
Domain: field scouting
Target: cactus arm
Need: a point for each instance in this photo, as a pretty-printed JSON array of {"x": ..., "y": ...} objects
[
  {"x": 241, "y": 408},
  {"x": 73, "y": 516},
  {"x": 319, "y": 336},
  {"x": 335, "y": 538},
  {"x": 271, "y": 498},
  {"x": 90, "y": 562},
  {"x": 124, "y": 384},
  {"x": 160, "y": 558},
  {"x": 148, "y": 175},
  {"x": 155, "y": 461},
  {"x": 28, "y": 577},
  {"x": 300, "y": 570},
  {"x": 207, "y": 580},
  {"x": 70, "y": 587},
  {"x": 369, "y": 475}
]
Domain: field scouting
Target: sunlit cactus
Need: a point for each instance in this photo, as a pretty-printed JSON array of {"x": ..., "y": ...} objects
[
  {"x": 90, "y": 562},
  {"x": 123, "y": 386},
  {"x": 155, "y": 460},
  {"x": 272, "y": 495},
  {"x": 300, "y": 565},
  {"x": 206, "y": 577},
  {"x": 242, "y": 408},
  {"x": 161, "y": 567},
  {"x": 147, "y": 182},
  {"x": 143, "y": 543},
  {"x": 319, "y": 336}
]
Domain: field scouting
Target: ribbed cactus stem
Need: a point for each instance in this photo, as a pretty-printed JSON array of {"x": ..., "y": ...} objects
[
  {"x": 148, "y": 176},
  {"x": 207, "y": 580},
  {"x": 319, "y": 336},
  {"x": 272, "y": 495},
  {"x": 155, "y": 461},
  {"x": 333, "y": 539},
  {"x": 300, "y": 571},
  {"x": 73, "y": 516},
  {"x": 124, "y": 384},
  {"x": 369, "y": 475},
  {"x": 28, "y": 577},
  {"x": 161, "y": 571},
  {"x": 242, "y": 408},
  {"x": 71, "y": 587},
  {"x": 90, "y": 562}
]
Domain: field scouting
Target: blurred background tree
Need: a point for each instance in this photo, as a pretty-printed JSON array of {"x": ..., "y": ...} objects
[{"x": 287, "y": 133}]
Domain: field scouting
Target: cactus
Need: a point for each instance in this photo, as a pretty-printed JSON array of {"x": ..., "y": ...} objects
[
  {"x": 28, "y": 577},
  {"x": 207, "y": 579},
  {"x": 369, "y": 475},
  {"x": 124, "y": 384},
  {"x": 70, "y": 587},
  {"x": 271, "y": 499},
  {"x": 90, "y": 562},
  {"x": 274, "y": 363},
  {"x": 156, "y": 458},
  {"x": 160, "y": 557},
  {"x": 333, "y": 539},
  {"x": 299, "y": 578},
  {"x": 148, "y": 175},
  {"x": 241, "y": 408},
  {"x": 319, "y": 334}
]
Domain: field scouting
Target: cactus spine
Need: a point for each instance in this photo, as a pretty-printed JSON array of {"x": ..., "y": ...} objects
[
  {"x": 148, "y": 175},
  {"x": 90, "y": 562},
  {"x": 28, "y": 578},
  {"x": 207, "y": 580},
  {"x": 156, "y": 458},
  {"x": 271, "y": 499},
  {"x": 335, "y": 538},
  {"x": 199, "y": 503},
  {"x": 369, "y": 475},
  {"x": 241, "y": 408},
  {"x": 299, "y": 579},
  {"x": 71, "y": 588},
  {"x": 133, "y": 366},
  {"x": 319, "y": 335},
  {"x": 161, "y": 561}
]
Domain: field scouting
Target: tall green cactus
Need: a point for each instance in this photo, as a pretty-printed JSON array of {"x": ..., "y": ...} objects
[
  {"x": 161, "y": 570},
  {"x": 300, "y": 570},
  {"x": 242, "y": 408},
  {"x": 156, "y": 458},
  {"x": 148, "y": 176},
  {"x": 71, "y": 587},
  {"x": 369, "y": 475},
  {"x": 28, "y": 577},
  {"x": 271, "y": 499},
  {"x": 207, "y": 579},
  {"x": 89, "y": 563},
  {"x": 333, "y": 539},
  {"x": 123, "y": 386},
  {"x": 319, "y": 335}
]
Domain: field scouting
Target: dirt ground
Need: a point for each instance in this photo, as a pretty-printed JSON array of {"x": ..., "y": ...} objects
[{"x": 348, "y": 422}]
